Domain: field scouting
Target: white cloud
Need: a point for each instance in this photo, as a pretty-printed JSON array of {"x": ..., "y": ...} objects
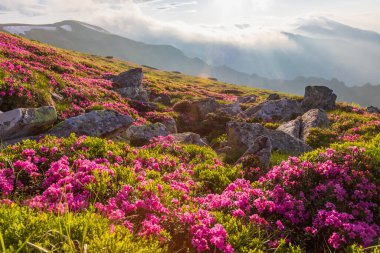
[{"x": 209, "y": 21}]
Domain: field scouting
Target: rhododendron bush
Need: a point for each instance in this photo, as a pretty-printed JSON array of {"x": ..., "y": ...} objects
[{"x": 162, "y": 192}]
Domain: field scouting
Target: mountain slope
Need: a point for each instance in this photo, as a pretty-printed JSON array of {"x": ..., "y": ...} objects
[
  {"x": 98, "y": 193},
  {"x": 86, "y": 38},
  {"x": 82, "y": 37}
]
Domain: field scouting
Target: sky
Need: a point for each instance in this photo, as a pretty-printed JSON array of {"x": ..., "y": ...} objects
[{"x": 224, "y": 20}]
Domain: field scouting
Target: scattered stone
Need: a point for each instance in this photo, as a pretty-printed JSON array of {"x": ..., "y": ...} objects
[
  {"x": 233, "y": 92},
  {"x": 275, "y": 110},
  {"x": 318, "y": 97},
  {"x": 247, "y": 99},
  {"x": 196, "y": 111},
  {"x": 130, "y": 78},
  {"x": 293, "y": 128},
  {"x": 129, "y": 85},
  {"x": 231, "y": 109},
  {"x": 102, "y": 123},
  {"x": 139, "y": 94},
  {"x": 300, "y": 128},
  {"x": 273, "y": 96},
  {"x": 23, "y": 122},
  {"x": 189, "y": 138},
  {"x": 261, "y": 149},
  {"x": 170, "y": 125},
  {"x": 141, "y": 135},
  {"x": 241, "y": 136},
  {"x": 56, "y": 97},
  {"x": 372, "y": 109},
  {"x": 224, "y": 150},
  {"x": 163, "y": 98}
]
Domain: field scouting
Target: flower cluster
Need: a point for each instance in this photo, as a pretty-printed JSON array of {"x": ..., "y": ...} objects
[{"x": 334, "y": 197}]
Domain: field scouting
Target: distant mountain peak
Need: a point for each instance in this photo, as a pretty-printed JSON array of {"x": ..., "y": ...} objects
[
  {"x": 322, "y": 26},
  {"x": 75, "y": 23},
  {"x": 67, "y": 25}
]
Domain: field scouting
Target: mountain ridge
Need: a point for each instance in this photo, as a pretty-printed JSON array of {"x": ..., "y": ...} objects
[{"x": 83, "y": 37}]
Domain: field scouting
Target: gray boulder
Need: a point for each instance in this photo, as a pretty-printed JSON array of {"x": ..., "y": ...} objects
[
  {"x": 196, "y": 110},
  {"x": 247, "y": 99},
  {"x": 275, "y": 110},
  {"x": 139, "y": 94},
  {"x": 141, "y": 135},
  {"x": 102, "y": 123},
  {"x": 231, "y": 109},
  {"x": 171, "y": 125},
  {"x": 56, "y": 96},
  {"x": 206, "y": 106},
  {"x": 261, "y": 149},
  {"x": 273, "y": 96},
  {"x": 163, "y": 98},
  {"x": 372, "y": 109},
  {"x": 318, "y": 97},
  {"x": 23, "y": 122},
  {"x": 189, "y": 138},
  {"x": 129, "y": 85},
  {"x": 130, "y": 78},
  {"x": 300, "y": 128},
  {"x": 241, "y": 136}
]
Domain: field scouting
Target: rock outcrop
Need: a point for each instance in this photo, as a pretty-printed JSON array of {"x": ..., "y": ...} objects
[
  {"x": 196, "y": 110},
  {"x": 275, "y": 110},
  {"x": 170, "y": 125},
  {"x": 102, "y": 123},
  {"x": 141, "y": 135},
  {"x": 231, "y": 109},
  {"x": 300, "y": 128},
  {"x": 261, "y": 149},
  {"x": 129, "y": 84},
  {"x": 163, "y": 98},
  {"x": 274, "y": 96},
  {"x": 372, "y": 109},
  {"x": 318, "y": 97},
  {"x": 247, "y": 99},
  {"x": 241, "y": 136},
  {"x": 189, "y": 138},
  {"x": 23, "y": 122}
]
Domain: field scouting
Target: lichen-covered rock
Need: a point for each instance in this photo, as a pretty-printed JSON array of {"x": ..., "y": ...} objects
[
  {"x": 231, "y": 109},
  {"x": 23, "y": 122},
  {"x": 372, "y": 109},
  {"x": 139, "y": 94},
  {"x": 261, "y": 150},
  {"x": 130, "y": 78},
  {"x": 189, "y": 138},
  {"x": 275, "y": 110},
  {"x": 195, "y": 111},
  {"x": 318, "y": 97},
  {"x": 163, "y": 98},
  {"x": 102, "y": 123},
  {"x": 273, "y": 96},
  {"x": 301, "y": 127},
  {"x": 129, "y": 85},
  {"x": 170, "y": 125},
  {"x": 141, "y": 135},
  {"x": 293, "y": 128},
  {"x": 56, "y": 96},
  {"x": 241, "y": 136},
  {"x": 247, "y": 99}
]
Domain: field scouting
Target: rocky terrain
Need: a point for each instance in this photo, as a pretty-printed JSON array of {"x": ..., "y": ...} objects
[{"x": 101, "y": 155}]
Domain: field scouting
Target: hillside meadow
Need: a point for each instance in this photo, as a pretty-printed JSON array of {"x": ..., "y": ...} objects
[{"x": 83, "y": 193}]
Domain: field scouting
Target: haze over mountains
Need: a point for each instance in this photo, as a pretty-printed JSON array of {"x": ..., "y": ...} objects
[{"x": 316, "y": 53}]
